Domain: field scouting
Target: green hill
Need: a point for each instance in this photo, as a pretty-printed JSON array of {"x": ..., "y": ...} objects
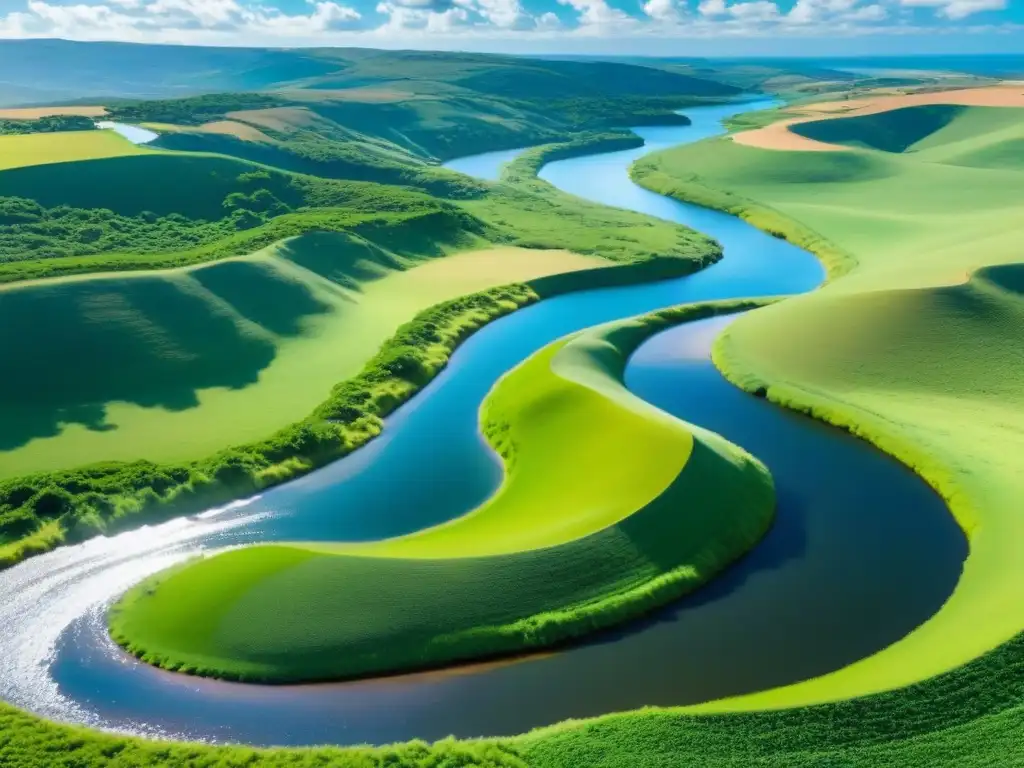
[
  {"x": 916, "y": 347},
  {"x": 980, "y": 137},
  {"x": 894, "y": 131}
]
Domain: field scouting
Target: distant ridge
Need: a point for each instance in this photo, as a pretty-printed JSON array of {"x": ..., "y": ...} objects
[{"x": 50, "y": 70}]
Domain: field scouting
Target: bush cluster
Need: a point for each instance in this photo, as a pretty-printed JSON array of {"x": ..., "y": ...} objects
[{"x": 49, "y": 124}]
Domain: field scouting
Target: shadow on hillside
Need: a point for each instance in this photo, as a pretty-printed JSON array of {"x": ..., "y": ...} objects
[
  {"x": 153, "y": 341},
  {"x": 344, "y": 259}
]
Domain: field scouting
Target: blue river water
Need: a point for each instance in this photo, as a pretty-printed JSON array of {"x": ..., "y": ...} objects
[{"x": 862, "y": 550}]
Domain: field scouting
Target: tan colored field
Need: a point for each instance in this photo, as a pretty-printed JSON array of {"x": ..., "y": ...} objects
[
  {"x": 277, "y": 118},
  {"x": 221, "y": 127},
  {"x": 778, "y": 136},
  {"x": 236, "y": 129},
  {"x": 364, "y": 95},
  {"x": 34, "y": 113}
]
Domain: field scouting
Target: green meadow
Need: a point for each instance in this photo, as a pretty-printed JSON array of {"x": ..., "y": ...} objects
[
  {"x": 19, "y": 150},
  {"x": 214, "y": 355},
  {"x": 237, "y": 309},
  {"x": 608, "y": 509},
  {"x": 914, "y": 345}
]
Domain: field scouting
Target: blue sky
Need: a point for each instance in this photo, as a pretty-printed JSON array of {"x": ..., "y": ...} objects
[{"x": 652, "y": 27}]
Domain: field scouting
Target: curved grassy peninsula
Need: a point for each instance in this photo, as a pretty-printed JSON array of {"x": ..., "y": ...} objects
[{"x": 609, "y": 508}]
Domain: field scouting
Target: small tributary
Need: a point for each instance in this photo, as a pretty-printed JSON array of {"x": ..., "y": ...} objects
[{"x": 862, "y": 551}]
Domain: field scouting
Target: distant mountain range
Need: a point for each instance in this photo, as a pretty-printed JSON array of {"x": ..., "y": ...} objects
[{"x": 49, "y": 71}]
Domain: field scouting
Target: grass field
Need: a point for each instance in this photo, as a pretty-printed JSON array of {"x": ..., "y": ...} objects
[
  {"x": 47, "y": 148},
  {"x": 609, "y": 508},
  {"x": 216, "y": 355},
  {"x": 917, "y": 348},
  {"x": 179, "y": 346}
]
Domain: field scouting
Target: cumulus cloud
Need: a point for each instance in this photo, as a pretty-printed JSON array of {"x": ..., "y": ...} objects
[
  {"x": 445, "y": 16},
  {"x": 171, "y": 20},
  {"x": 664, "y": 10},
  {"x": 812, "y": 11},
  {"x": 505, "y": 14},
  {"x": 751, "y": 10},
  {"x": 333, "y": 22},
  {"x": 597, "y": 13},
  {"x": 712, "y": 8},
  {"x": 957, "y": 9}
]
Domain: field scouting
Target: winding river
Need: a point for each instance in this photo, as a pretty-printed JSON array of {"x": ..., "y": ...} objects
[{"x": 861, "y": 553}]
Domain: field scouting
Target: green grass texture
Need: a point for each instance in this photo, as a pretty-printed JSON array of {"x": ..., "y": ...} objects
[
  {"x": 917, "y": 348},
  {"x": 214, "y": 355},
  {"x": 609, "y": 508},
  {"x": 224, "y": 349},
  {"x": 45, "y": 148}
]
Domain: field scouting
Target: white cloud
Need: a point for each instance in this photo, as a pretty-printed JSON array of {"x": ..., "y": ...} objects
[
  {"x": 756, "y": 10},
  {"x": 712, "y": 8},
  {"x": 957, "y": 9},
  {"x": 505, "y": 14},
  {"x": 844, "y": 11},
  {"x": 548, "y": 22},
  {"x": 750, "y": 11},
  {"x": 597, "y": 13},
  {"x": 408, "y": 22},
  {"x": 173, "y": 20},
  {"x": 664, "y": 10}
]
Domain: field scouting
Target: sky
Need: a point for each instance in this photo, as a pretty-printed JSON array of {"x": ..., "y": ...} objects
[{"x": 619, "y": 27}]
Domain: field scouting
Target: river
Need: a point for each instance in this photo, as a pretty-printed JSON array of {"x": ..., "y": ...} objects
[{"x": 862, "y": 550}]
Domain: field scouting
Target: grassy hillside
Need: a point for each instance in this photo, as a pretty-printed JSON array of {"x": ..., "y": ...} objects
[
  {"x": 983, "y": 137},
  {"x": 609, "y": 508},
  {"x": 53, "y": 70},
  {"x": 107, "y": 215},
  {"x": 18, "y": 150},
  {"x": 344, "y": 291},
  {"x": 914, "y": 349},
  {"x": 216, "y": 355},
  {"x": 61, "y": 70},
  {"x": 894, "y": 131}
]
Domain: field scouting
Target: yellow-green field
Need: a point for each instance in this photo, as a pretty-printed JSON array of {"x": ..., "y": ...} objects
[
  {"x": 249, "y": 345},
  {"x": 44, "y": 148},
  {"x": 905, "y": 349},
  {"x": 609, "y": 508}
]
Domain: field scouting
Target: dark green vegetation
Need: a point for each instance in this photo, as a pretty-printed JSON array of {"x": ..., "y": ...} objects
[
  {"x": 218, "y": 206},
  {"x": 51, "y": 124},
  {"x": 970, "y": 717}
]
